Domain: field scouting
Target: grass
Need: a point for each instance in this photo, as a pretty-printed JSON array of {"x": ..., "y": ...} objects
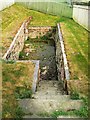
[
  {"x": 74, "y": 95},
  {"x": 13, "y": 17},
  {"x": 76, "y": 45},
  {"x": 77, "y": 114},
  {"x": 23, "y": 92},
  {"x": 81, "y": 113},
  {"x": 17, "y": 82}
]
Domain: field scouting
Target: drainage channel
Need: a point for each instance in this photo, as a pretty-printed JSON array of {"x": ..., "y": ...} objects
[{"x": 40, "y": 45}]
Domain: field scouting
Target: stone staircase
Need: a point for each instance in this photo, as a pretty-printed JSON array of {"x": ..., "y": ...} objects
[{"x": 49, "y": 97}]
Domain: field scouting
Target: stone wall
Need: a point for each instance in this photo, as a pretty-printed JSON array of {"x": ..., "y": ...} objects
[
  {"x": 61, "y": 60},
  {"x": 17, "y": 46},
  {"x": 36, "y": 73},
  {"x": 18, "y": 42},
  {"x": 34, "y": 32}
]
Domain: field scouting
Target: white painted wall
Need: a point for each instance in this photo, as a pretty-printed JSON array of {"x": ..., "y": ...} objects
[
  {"x": 81, "y": 14},
  {"x": 6, "y": 3}
]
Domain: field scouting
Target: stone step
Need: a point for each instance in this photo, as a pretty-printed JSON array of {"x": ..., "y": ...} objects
[
  {"x": 49, "y": 87},
  {"x": 50, "y": 118},
  {"x": 48, "y": 92},
  {"x": 45, "y": 87},
  {"x": 69, "y": 117},
  {"x": 51, "y": 82},
  {"x": 48, "y": 83},
  {"x": 31, "y": 116},
  {"x": 58, "y": 97},
  {"x": 37, "y": 106}
]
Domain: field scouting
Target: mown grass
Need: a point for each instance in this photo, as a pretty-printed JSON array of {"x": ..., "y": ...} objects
[
  {"x": 17, "y": 82},
  {"x": 14, "y": 16},
  {"x": 76, "y": 45}
]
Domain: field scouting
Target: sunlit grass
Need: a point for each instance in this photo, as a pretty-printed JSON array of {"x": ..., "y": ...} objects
[
  {"x": 76, "y": 45},
  {"x": 14, "y": 16},
  {"x": 17, "y": 83}
]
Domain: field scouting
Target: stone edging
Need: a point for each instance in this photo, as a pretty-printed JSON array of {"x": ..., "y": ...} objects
[
  {"x": 18, "y": 42},
  {"x": 36, "y": 73},
  {"x": 8, "y": 53},
  {"x": 66, "y": 69}
]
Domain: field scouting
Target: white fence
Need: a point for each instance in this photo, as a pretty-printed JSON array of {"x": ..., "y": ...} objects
[
  {"x": 6, "y": 3},
  {"x": 81, "y": 14},
  {"x": 54, "y": 8}
]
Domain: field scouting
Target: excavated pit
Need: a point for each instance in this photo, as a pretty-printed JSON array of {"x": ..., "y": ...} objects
[
  {"x": 40, "y": 45},
  {"x": 44, "y": 44}
]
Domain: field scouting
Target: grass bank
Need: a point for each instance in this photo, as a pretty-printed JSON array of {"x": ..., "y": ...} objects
[
  {"x": 76, "y": 45},
  {"x": 16, "y": 84},
  {"x": 13, "y": 17}
]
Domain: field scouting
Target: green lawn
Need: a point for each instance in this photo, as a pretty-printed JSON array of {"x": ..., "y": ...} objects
[
  {"x": 13, "y": 17},
  {"x": 76, "y": 45},
  {"x": 16, "y": 84},
  {"x": 75, "y": 37}
]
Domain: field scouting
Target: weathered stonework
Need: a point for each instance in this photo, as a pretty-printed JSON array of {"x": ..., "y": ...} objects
[
  {"x": 34, "y": 32},
  {"x": 17, "y": 46},
  {"x": 36, "y": 73},
  {"x": 61, "y": 61},
  {"x": 18, "y": 42}
]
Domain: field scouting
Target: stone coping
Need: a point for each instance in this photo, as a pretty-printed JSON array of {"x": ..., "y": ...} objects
[
  {"x": 13, "y": 42},
  {"x": 36, "y": 73},
  {"x": 66, "y": 68},
  {"x": 18, "y": 42}
]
